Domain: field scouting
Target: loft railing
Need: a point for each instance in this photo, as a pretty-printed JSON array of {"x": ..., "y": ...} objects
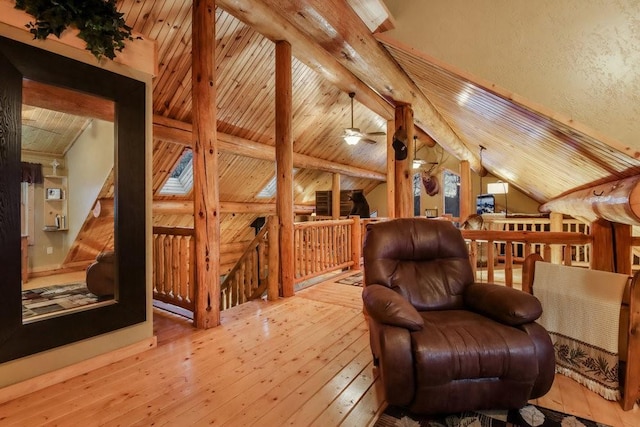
[
  {"x": 174, "y": 266},
  {"x": 530, "y": 241},
  {"x": 324, "y": 246},
  {"x": 580, "y": 253},
  {"x": 256, "y": 271}
]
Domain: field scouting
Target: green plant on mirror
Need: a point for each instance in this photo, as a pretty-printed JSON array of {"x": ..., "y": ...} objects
[{"x": 99, "y": 23}]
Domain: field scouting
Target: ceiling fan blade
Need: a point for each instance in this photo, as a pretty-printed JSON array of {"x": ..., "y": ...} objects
[
  {"x": 368, "y": 140},
  {"x": 375, "y": 133}
]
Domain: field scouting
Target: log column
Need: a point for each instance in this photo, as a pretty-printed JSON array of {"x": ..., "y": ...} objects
[
  {"x": 465, "y": 190},
  {"x": 555, "y": 219},
  {"x": 391, "y": 171},
  {"x": 205, "y": 167},
  {"x": 611, "y": 246},
  {"x": 403, "y": 171},
  {"x": 284, "y": 165},
  {"x": 335, "y": 197}
]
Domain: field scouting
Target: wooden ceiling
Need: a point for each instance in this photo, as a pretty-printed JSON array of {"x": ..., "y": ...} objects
[{"x": 534, "y": 149}]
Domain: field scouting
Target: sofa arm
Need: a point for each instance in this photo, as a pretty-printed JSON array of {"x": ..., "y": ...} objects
[
  {"x": 505, "y": 305},
  {"x": 390, "y": 308}
]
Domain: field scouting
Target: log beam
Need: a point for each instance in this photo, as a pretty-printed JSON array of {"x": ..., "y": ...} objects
[
  {"x": 267, "y": 21},
  {"x": 205, "y": 167},
  {"x": 284, "y": 165},
  {"x": 180, "y": 133},
  {"x": 391, "y": 171},
  {"x": 340, "y": 33},
  {"x": 183, "y": 207},
  {"x": 335, "y": 196},
  {"x": 465, "y": 190},
  {"x": 617, "y": 201},
  {"x": 610, "y": 247},
  {"x": 403, "y": 171}
]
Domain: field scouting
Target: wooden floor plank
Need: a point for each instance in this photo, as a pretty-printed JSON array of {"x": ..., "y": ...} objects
[{"x": 296, "y": 361}]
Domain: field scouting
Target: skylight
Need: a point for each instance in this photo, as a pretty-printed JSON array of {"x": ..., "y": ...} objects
[
  {"x": 180, "y": 182},
  {"x": 269, "y": 190}
]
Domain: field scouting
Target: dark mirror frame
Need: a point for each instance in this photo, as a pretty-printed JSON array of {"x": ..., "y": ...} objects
[{"x": 19, "y": 61}]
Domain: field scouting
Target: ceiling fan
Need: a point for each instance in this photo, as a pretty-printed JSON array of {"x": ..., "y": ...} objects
[{"x": 353, "y": 135}]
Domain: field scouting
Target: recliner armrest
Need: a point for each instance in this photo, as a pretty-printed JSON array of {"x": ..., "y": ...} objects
[
  {"x": 390, "y": 308},
  {"x": 505, "y": 305}
]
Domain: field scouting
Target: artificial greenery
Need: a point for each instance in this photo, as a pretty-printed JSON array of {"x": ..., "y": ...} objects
[{"x": 100, "y": 24}]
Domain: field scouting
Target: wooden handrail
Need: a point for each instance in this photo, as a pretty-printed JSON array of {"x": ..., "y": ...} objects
[
  {"x": 249, "y": 278},
  {"x": 548, "y": 237}
]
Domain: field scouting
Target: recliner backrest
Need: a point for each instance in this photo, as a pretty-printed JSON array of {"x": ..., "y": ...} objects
[{"x": 424, "y": 260}]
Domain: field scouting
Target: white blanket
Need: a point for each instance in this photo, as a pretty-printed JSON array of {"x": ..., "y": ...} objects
[{"x": 581, "y": 312}]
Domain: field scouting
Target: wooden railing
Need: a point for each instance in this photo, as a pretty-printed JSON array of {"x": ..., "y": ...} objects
[
  {"x": 580, "y": 253},
  {"x": 256, "y": 272},
  {"x": 324, "y": 246},
  {"x": 174, "y": 266},
  {"x": 531, "y": 242}
]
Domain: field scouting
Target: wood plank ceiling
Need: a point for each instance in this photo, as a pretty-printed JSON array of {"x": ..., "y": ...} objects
[{"x": 539, "y": 153}]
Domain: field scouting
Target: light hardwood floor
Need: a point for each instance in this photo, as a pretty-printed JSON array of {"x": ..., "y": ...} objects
[{"x": 299, "y": 361}]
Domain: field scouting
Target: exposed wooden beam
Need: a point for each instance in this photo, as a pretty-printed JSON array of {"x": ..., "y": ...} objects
[
  {"x": 284, "y": 165},
  {"x": 335, "y": 196},
  {"x": 180, "y": 133},
  {"x": 184, "y": 207},
  {"x": 341, "y": 33},
  {"x": 265, "y": 20},
  {"x": 617, "y": 201},
  {"x": 206, "y": 217},
  {"x": 403, "y": 173}
]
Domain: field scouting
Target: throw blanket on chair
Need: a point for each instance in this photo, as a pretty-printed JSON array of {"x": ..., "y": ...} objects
[{"x": 581, "y": 312}]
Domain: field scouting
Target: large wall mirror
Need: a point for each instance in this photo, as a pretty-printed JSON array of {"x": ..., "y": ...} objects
[{"x": 72, "y": 200}]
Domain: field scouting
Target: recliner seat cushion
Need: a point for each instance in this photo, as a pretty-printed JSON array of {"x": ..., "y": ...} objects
[{"x": 457, "y": 344}]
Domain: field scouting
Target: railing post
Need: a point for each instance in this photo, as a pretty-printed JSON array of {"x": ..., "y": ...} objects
[
  {"x": 473, "y": 257},
  {"x": 556, "y": 225},
  {"x": 356, "y": 243},
  {"x": 273, "y": 262}
]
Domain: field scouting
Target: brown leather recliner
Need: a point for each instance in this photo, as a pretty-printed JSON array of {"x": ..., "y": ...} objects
[
  {"x": 443, "y": 343},
  {"x": 101, "y": 275}
]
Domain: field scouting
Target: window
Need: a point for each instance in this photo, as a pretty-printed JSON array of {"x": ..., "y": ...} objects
[{"x": 180, "y": 182}]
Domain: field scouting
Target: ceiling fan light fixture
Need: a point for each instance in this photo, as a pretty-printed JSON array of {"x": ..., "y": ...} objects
[{"x": 351, "y": 139}]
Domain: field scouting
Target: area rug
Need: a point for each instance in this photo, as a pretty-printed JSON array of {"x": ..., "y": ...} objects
[
  {"x": 51, "y": 299},
  {"x": 355, "y": 280},
  {"x": 529, "y": 416}
]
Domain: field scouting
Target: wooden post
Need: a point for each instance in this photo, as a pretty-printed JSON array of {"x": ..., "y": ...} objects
[
  {"x": 403, "y": 172},
  {"x": 284, "y": 165},
  {"x": 335, "y": 197},
  {"x": 273, "y": 263},
  {"x": 356, "y": 243},
  {"x": 391, "y": 171},
  {"x": 465, "y": 190},
  {"x": 205, "y": 166},
  {"x": 556, "y": 225},
  {"x": 623, "y": 247}
]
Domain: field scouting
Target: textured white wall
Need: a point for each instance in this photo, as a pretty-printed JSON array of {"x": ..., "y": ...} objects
[{"x": 580, "y": 58}]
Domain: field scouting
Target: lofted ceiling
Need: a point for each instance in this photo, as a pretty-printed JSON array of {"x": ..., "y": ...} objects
[{"x": 336, "y": 51}]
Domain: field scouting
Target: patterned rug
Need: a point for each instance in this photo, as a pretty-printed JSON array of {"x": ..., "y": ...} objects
[
  {"x": 529, "y": 416},
  {"x": 51, "y": 299},
  {"x": 355, "y": 280}
]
